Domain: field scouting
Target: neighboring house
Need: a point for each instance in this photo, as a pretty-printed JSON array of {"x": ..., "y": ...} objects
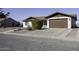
[
  {"x": 7, "y": 21},
  {"x": 55, "y": 20}
]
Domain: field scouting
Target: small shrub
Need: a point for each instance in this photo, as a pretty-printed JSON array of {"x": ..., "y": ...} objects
[{"x": 37, "y": 24}]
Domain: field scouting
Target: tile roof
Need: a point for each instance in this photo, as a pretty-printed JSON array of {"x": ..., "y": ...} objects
[{"x": 45, "y": 17}]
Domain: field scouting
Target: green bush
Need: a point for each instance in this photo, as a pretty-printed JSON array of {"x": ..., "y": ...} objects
[{"x": 37, "y": 24}]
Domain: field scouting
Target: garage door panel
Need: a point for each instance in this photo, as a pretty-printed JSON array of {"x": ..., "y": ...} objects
[{"x": 58, "y": 23}]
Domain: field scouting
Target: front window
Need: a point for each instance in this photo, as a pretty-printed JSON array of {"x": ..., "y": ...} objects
[
  {"x": 25, "y": 23},
  {"x": 44, "y": 22},
  {"x": 0, "y": 24}
]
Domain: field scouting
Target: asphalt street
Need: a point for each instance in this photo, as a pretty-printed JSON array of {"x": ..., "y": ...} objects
[{"x": 22, "y": 43}]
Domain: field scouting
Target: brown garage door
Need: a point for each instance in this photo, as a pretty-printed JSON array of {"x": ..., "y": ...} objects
[{"x": 58, "y": 23}]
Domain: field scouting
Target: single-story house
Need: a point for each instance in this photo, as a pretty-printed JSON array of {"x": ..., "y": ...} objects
[{"x": 55, "y": 20}]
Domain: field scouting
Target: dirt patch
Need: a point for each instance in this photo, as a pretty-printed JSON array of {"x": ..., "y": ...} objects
[
  {"x": 22, "y": 31},
  {"x": 5, "y": 29}
]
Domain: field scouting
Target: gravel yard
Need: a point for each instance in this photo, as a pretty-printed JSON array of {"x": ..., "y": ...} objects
[{"x": 8, "y": 28}]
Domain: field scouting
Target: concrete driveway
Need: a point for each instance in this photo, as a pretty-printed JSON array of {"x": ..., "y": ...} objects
[{"x": 69, "y": 34}]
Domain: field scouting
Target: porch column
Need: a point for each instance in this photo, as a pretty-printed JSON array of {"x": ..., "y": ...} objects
[
  {"x": 69, "y": 23},
  {"x": 47, "y": 23},
  {"x": 24, "y": 25}
]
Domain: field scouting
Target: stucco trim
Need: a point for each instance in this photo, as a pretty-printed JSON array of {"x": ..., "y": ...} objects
[
  {"x": 69, "y": 23},
  {"x": 24, "y": 25}
]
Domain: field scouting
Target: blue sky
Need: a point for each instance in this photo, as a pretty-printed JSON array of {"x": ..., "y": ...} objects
[{"x": 22, "y": 13}]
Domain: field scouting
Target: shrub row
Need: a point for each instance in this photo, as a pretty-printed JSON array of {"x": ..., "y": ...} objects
[{"x": 37, "y": 24}]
